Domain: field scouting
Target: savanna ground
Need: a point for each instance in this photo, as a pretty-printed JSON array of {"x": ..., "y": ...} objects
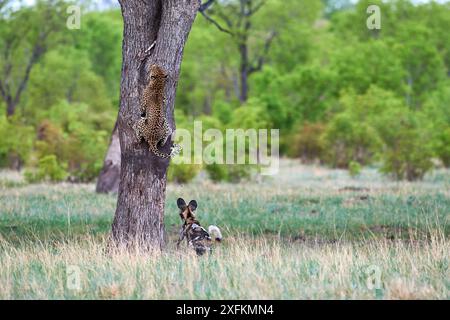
[{"x": 307, "y": 233}]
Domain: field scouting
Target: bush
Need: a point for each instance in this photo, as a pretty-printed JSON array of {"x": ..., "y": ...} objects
[
  {"x": 233, "y": 173},
  {"x": 354, "y": 168},
  {"x": 437, "y": 110},
  {"x": 15, "y": 143},
  {"x": 73, "y": 135},
  {"x": 252, "y": 115},
  {"x": 347, "y": 140},
  {"x": 307, "y": 142},
  {"x": 442, "y": 147},
  {"x": 48, "y": 170},
  {"x": 354, "y": 133},
  {"x": 408, "y": 148},
  {"x": 217, "y": 172},
  {"x": 182, "y": 173},
  {"x": 239, "y": 172}
]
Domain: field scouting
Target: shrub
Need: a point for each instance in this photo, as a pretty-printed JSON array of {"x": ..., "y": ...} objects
[
  {"x": 233, "y": 173},
  {"x": 48, "y": 170},
  {"x": 75, "y": 137},
  {"x": 354, "y": 132},
  {"x": 346, "y": 139},
  {"x": 252, "y": 115},
  {"x": 239, "y": 172},
  {"x": 182, "y": 173},
  {"x": 217, "y": 172},
  {"x": 354, "y": 168},
  {"x": 442, "y": 146},
  {"x": 15, "y": 143},
  {"x": 437, "y": 110},
  {"x": 408, "y": 149},
  {"x": 307, "y": 142}
]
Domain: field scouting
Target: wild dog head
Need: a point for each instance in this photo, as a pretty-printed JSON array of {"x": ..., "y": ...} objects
[{"x": 187, "y": 211}]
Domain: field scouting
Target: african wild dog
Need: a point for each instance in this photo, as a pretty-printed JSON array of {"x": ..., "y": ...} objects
[{"x": 196, "y": 236}]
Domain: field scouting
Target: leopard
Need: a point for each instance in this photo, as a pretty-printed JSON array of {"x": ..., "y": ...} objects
[
  {"x": 152, "y": 125},
  {"x": 196, "y": 236}
]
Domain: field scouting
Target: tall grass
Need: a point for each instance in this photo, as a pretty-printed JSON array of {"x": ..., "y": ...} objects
[{"x": 241, "y": 268}]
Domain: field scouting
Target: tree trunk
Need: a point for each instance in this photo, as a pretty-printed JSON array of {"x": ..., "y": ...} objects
[
  {"x": 244, "y": 71},
  {"x": 139, "y": 217},
  {"x": 108, "y": 180},
  {"x": 243, "y": 51},
  {"x": 10, "y": 107}
]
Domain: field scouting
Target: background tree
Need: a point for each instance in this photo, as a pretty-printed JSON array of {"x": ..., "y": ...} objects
[
  {"x": 25, "y": 36},
  {"x": 251, "y": 35}
]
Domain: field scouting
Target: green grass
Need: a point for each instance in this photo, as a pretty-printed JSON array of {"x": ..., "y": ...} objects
[
  {"x": 346, "y": 211},
  {"x": 305, "y": 218},
  {"x": 65, "y": 214}
]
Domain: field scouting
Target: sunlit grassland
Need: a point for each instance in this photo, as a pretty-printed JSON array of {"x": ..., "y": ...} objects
[{"x": 308, "y": 232}]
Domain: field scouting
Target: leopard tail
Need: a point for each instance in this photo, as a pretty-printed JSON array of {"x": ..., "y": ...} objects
[{"x": 154, "y": 149}]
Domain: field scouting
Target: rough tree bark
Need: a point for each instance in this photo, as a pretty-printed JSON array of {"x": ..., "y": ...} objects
[
  {"x": 139, "y": 217},
  {"x": 108, "y": 179}
]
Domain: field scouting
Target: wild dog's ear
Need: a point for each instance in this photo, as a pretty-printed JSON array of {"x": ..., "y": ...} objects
[
  {"x": 192, "y": 205},
  {"x": 181, "y": 203}
]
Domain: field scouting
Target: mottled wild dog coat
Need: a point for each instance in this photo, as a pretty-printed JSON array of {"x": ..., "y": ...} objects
[
  {"x": 196, "y": 236},
  {"x": 153, "y": 126}
]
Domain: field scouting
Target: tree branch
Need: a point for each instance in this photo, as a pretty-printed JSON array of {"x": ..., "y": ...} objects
[
  {"x": 205, "y": 5},
  {"x": 253, "y": 10},
  {"x": 262, "y": 57},
  {"x": 2, "y": 91},
  {"x": 202, "y": 10},
  {"x": 3, "y": 3},
  {"x": 225, "y": 18},
  {"x": 37, "y": 52}
]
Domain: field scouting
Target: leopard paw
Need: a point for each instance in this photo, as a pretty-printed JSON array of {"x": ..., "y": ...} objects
[{"x": 175, "y": 150}]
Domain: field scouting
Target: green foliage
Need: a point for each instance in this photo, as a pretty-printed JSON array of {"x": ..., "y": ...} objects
[
  {"x": 182, "y": 173},
  {"x": 239, "y": 172},
  {"x": 223, "y": 111},
  {"x": 16, "y": 140},
  {"x": 66, "y": 74},
  {"x": 377, "y": 125},
  {"x": 369, "y": 63},
  {"x": 252, "y": 115},
  {"x": 217, "y": 172},
  {"x": 48, "y": 170},
  {"x": 352, "y": 134},
  {"x": 327, "y": 82},
  {"x": 101, "y": 39},
  {"x": 307, "y": 143},
  {"x": 25, "y": 35},
  {"x": 233, "y": 173},
  {"x": 408, "y": 150},
  {"x": 66, "y": 110},
  {"x": 74, "y": 138},
  {"x": 443, "y": 146},
  {"x": 422, "y": 61},
  {"x": 346, "y": 140},
  {"x": 354, "y": 168},
  {"x": 437, "y": 111}
]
